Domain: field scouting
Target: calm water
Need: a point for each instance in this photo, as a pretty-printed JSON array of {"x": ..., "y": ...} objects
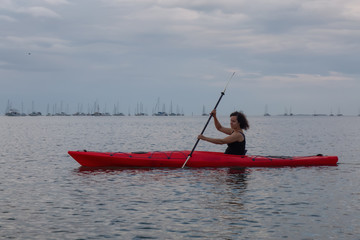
[{"x": 46, "y": 195}]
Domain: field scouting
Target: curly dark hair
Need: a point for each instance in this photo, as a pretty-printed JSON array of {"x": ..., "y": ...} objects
[{"x": 241, "y": 118}]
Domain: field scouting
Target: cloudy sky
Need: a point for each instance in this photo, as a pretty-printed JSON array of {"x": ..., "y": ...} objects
[{"x": 301, "y": 55}]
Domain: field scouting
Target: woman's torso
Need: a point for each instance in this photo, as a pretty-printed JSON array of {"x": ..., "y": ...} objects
[{"x": 236, "y": 148}]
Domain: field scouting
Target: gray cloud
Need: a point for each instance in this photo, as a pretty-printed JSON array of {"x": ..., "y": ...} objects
[{"x": 152, "y": 47}]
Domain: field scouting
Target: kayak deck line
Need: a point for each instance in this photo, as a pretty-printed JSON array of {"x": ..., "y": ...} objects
[
  {"x": 199, "y": 159},
  {"x": 139, "y": 154}
]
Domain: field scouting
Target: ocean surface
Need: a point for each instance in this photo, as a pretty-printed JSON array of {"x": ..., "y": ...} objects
[{"x": 45, "y": 194}]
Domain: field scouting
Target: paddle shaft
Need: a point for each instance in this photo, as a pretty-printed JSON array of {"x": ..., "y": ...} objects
[
  {"x": 207, "y": 123},
  {"x": 222, "y": 94}
]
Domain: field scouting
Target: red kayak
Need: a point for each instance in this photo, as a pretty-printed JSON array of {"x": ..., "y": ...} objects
[{"x": 199, "y": 159}]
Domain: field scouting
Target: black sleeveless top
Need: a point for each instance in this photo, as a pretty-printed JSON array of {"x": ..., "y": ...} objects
[{"x": 236, "y": 148}]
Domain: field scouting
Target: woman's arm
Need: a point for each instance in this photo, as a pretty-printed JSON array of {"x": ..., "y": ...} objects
[
  {"x": 230, "y": 139},
  {"x": 218, "y": 125}
]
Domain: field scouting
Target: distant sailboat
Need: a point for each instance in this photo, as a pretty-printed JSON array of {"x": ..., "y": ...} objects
[
  {"x": 10, "y": 111},
  {"x": 140, "y": 110},
  {"x": 178, "y": 111},
  {"x": 157, "y": 109},
  {"x": 266, "y": 114},
  {"x": 204, "y": 112},
  {"x": 171, "y": 110},
  {"x": 116, "y": 110},
  {"x": 291, "y": 113},
  {"x": 34, "y": 113},
  {"x": 339, "y": 114}
]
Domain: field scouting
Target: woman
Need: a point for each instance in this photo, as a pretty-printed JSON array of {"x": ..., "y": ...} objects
[{"x": 236, "y": 139}]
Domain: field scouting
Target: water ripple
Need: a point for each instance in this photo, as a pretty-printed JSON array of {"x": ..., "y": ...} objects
[{"x": 46, "y": 195}]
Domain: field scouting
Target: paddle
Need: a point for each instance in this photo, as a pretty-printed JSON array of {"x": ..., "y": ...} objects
[{"x": 222, "y": 94}]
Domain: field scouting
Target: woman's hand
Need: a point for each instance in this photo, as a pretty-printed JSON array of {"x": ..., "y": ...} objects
[
  {"x": 201, "y": 137},
  {"x": 213, "y": 113}
]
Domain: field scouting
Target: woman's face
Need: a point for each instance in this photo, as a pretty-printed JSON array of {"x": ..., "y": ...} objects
[{"x": 234, "y": 124}]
